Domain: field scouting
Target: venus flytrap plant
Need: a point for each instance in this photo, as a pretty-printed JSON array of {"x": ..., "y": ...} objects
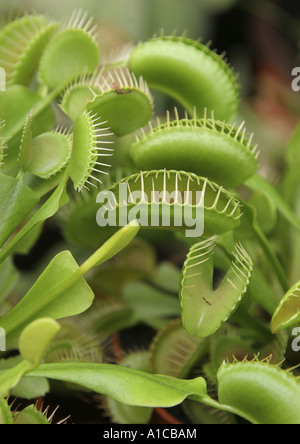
[
  {"x": 36, "y": 148},
  {"x": 27, "y": 99},
  {"x": 120, "y": 413},
  {"x": 87, "y": 150},
  {"x": 258, "y": 183},
  {"x": 206, "y": 147},
  {"x": 15, "y": 104},
  {"x": 76, "y": 35},
  {"x": 174, "y": 352},
  {"x": 150, "y": 306},
  {"x": 228, "y": 346},
  {"x": 251, "y": 225},
  {"x": 45, "y": 155},
  {"x": 189, "y": 72},
  {"x": 257, "y": 380},
  {"x": 163, "y": 190},
  {"x": 117, "y": 57},
  {"x": 106, "y": 99},
  {"x": 287, "y": 313},
  {"x": 266, "y": 392},
  {"x": 29, "y": 415},
  {"x": 53, "y": 72},
  {"x": 22, "y": 43},
  {"x": 32, "y": 345},
  {"x": 5, "y": 413},
  {"x": 33, "y": 415},
  {"x": 108, "y": 317},
  {"x": 74, "y": 343},
  {"x": 111, "y": 94},
  {"x": 77, "y": 220},
  {"x": 69, "y": 288},
  {"x": 204, "y": 309}
]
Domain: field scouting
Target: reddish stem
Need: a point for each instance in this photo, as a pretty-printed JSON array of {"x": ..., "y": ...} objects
[
  {"x": 167, "y": 417},
  {"x": 116, "y": 346}
]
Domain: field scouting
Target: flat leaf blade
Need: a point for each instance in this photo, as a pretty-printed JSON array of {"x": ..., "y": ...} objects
[
  {"x": 55, "y": 201},
  {"x": 49, "y": 298},
  {"x": 16, "y": 203},
  {"x": 131, "y": 387}
]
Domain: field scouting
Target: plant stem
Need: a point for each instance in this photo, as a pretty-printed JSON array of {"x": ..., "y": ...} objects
[
  {"x": 216, "y": 405},
  {"x": 109, "y": 249},
  {"x": 113, "y": 246},
  {"x": 281, "y": 275},
  {"x": 40, "y": 216}
]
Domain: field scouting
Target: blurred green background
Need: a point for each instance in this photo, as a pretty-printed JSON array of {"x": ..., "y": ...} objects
[{"x": 138, "y": 19}]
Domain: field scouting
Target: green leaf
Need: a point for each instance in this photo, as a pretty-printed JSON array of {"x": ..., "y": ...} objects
[
  {"x": 87, "y": 150},
  {"x": 124, "y": 414},
  {"x": 16, "y": 203},
  {"x": 167, "y": 277},
  {"x": 206, "y": 147},
  {"x": 150, "y": 304},
  {"x": 112, "y": 247},
  {"x": 8, "y": 278},
  {"x": 5, "y": 413},
  {"x": 11, "y": 377},
  {"x": 31, "y": 388},
  {"x": 29, "y": 241},
  {"x": 64, "y": 293},
  {"x": 27, "y": 387},
  {"x": 131, "y": 387},
  {"x": 34, "y": 341},
  {"x": 50, "y": 207},
  {"x": 15, "y": 104}
]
